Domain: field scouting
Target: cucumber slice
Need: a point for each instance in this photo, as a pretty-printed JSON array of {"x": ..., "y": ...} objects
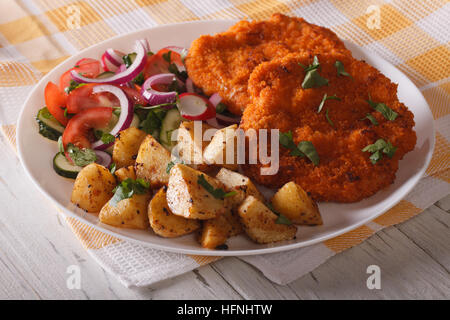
[
  {"x": 49, "y": 127},
  {"x": 105, "y": 74},
  {"x": 170, "y": 123},
  {"x": 64, "y": 168}
]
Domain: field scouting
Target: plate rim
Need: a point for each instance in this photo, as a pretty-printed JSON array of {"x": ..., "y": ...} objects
[{"x": 202, "y": 251}]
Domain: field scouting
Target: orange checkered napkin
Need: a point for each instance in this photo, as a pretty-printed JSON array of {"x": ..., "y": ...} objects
[{"x": 413, "y": 35}]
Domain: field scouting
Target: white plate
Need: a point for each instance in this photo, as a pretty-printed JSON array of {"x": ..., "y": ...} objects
[{"x": 36, "y": 153}]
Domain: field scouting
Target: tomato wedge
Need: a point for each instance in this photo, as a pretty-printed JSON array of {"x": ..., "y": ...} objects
[
  {"x": 84, "y": 61},
  {"x": 88, "y": 69},
  {"x": 82, "y": 98},
  {"x": 78, "y": 128},
  {"x": 55, "y": 101},
  {"x": 157, "y": 64},
  {"x": 134, "y": 94}
]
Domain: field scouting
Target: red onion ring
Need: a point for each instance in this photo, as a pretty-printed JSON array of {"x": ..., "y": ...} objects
[
  {"x": 227, "y": 119},
  {"x": 215, "y": 99},
  {"x": 214, "y": 123},
  {"x": 136, "y": 67},
  {"x": 113, "y": 56},
  {"x": 103, "y": 158},
  {"x": 126, "y": 113},
  {"x": 144, "y": 42},
  {"x": 154, "y": 97},
  {"x": 190, "y": 86}
]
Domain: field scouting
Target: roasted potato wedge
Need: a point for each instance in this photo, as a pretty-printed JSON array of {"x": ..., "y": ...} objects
[
  {"x": 126, "y": 147},
  {"x": 189, "y": 199},
  {"x": 294, "y": 203},
  {"x": 93, "y": 188},
  {"x": 125, "y": 173},
  {"x": 151, "y": 162},
  {"x": 128, "y": 213},
  {"x": 164, "y": 222},
  {"x": 242, "y": 184},
  {"x": 260, "y": 222},
  {"x": 215, "y": 232},
  {"x": 190, "y": 146},
  {"x": 224, "y": 141}
]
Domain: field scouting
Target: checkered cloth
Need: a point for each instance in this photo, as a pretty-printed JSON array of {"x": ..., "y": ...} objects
[{"x": 35, "y": 36}]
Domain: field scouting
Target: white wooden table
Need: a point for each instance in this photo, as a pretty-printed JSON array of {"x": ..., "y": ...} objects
[{"x": 36, "y": 247}]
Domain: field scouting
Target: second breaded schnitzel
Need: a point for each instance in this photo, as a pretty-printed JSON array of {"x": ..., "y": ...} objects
[
  {"x": 339, "y": 128},
  {"x": 223, "y": 63}
]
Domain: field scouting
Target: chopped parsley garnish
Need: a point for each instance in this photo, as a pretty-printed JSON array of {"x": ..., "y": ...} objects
[
  {"x": 387, "y": 112},
  {"x": 328, "y": 118},
  {"x": 127, "y": 188},
  {"x": 104, "y": 136},
  {"x": 371, "y": 118},
  {"x": 112, "y": 168},
  {"x": 304, "y": 148},
  {"x": 81, "y": 157},
  {"x": 379, "y": 148},
  {"x": 180, "y": 74},
  {"x": 312, "y": 77},
  {"x": 139, "y": 79},
  {"x": 340, "y": 69},
  {"x": 216, "y": 193},
  {"x": 325, "y": 98},
  {"x": 72, "y": 86},
  {"x": 152, "y": 123},
  {"x": 170, "y": 166},
  {"x": 167, "y": 56},
  {"x": 281, "y": 219}
]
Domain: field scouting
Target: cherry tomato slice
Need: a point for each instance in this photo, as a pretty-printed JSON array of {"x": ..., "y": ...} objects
[
  {"x": 78, "y": 128},
  {"x": 82, "y": 98},
  {"x": 89, "y": 70},
  {"x": 55, "y": 101},
  {"x": 157, "y": 64}
]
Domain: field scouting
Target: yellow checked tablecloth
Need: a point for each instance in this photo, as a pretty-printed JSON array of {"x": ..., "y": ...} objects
[{"x": 36, "y": 35}]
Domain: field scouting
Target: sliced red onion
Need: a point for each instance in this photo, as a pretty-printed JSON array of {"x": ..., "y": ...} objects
[
  {"x": 190, "y": 85},
  {"x": 215, "y": 99},
  {"x": 126, "y": 113},
  {"x": 111, "y": 59},
  {"x": 227, "y": 119},
  {"x": 103, "y": 158},
  {"x": 121, "y": 68},
  {"x": 154, "y": 97},
  {"x": 214, "y": 123},
  {"x": 144, "y": 42},
  {"x": 136, "y": 67}
]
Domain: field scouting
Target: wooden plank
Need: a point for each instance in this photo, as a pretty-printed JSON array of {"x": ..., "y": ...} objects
[
  {"x": 249, "y": 282},
  {"x": 430, "y": 231},
  {"x": 407, "y": 272},
  {"x": 444, "y": 203}
]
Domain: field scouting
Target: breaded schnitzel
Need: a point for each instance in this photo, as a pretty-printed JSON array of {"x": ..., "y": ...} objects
[
  {"x": 345, "y": 173},
  {"x": 223, "y": 63}
]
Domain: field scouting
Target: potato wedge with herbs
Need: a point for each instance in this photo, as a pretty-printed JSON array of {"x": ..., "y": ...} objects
[
  {"x": 125, "y": 173},
  {"x": 191, "y": 143},
  {"x": 164, "y": 223},
  {"x": 222, "y": 143},
  {"x": 189, "y": 199},
  {"x": 151, "y": 162},
  {"x": 216, "y": 232},
  {"x": 260, "y": 223},
  {"x": 127, "y": 213},
  {"x": 294, "y": 203},
  {"x": 241, "y": 184},
  {"x": 93, "y": 188},
  {"x": 126, "y": 147}
]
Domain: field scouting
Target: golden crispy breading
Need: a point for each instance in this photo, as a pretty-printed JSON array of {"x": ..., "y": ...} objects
[
  {"x": 345, "y": 173},
  {"x": 223, "y": 63}
]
